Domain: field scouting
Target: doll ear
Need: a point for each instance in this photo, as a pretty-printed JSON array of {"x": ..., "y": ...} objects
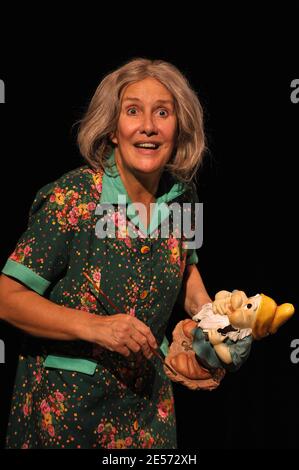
[
  {"x": 222, "y": 294},
  {"x": 238, "y": 299}
]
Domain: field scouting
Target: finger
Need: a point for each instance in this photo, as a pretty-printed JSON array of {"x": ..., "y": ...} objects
[
  {"x": 146, "y": 331},
  {"x": 133, "y": 345},
  {"x": 222, "y": 309},
  {"x": 147, "y": 352},
  {"x": 123, "y": 350},
  {"x": 143, "y": 344}
]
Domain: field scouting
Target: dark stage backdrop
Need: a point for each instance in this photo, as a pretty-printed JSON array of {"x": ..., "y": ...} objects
[{"x": 248, "y": 184}]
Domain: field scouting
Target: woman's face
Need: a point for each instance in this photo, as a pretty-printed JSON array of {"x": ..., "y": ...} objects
[{"x": 146, "y": 130}]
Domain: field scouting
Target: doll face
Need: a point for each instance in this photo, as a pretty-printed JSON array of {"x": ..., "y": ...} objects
[
  {"x": 146, "y": 130},
  {"x": 244, "y": 317}
]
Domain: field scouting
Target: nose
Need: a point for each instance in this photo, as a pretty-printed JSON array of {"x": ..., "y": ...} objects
[{"x": 148, "y": 125}]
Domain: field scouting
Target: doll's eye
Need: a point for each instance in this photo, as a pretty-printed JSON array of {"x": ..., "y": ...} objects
[{"x": 248, "y": 306}]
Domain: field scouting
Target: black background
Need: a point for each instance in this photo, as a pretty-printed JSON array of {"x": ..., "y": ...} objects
[{"x": 242, "y": 74}]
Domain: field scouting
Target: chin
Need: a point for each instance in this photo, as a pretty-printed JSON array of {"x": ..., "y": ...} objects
[{"x": 148, "y": 169}]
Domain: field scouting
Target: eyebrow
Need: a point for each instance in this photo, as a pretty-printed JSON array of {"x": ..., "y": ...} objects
[{"x": 133, "y": 98}]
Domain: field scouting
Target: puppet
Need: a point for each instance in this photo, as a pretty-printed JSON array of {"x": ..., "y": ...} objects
[{"x": 219, "y": 337}]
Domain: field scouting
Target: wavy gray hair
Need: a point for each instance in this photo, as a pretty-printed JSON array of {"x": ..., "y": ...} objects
[{"x": 100, "y": 120}]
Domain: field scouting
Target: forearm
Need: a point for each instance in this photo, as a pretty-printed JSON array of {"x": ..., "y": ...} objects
[
  {"x": 38, "y": 316},
  {"x": 193, "y": 294},
  {"x": 223, "y": 353}
]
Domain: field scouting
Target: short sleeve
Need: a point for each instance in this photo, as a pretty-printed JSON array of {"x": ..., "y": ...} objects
[{"x": 42, "y": 252}]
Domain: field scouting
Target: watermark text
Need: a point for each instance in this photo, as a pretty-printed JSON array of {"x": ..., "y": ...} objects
[
  {"x": 182, "y": 221},
  {"x": 295, "y": 353},
  {"x": 2, "y": 352},
  {"x": 2, "y": 91},
  {"x": 295, "y": 91}
]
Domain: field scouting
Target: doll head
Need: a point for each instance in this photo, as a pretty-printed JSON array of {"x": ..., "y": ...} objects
[{"x": 260, "y": 313}]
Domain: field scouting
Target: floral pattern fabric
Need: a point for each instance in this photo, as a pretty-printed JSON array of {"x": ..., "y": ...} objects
[{"x": 126, "y": 402}]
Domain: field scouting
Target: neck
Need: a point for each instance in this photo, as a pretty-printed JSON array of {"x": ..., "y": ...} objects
[{"x": 140, "y": 188}]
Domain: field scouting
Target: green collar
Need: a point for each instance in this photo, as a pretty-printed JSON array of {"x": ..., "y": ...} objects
[{"x": 113, "y": 187}]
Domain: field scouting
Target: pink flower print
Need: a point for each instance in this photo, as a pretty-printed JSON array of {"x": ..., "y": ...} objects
[
  {"x": 52, "y": 198},
  {"x": 83, "y": 308},
  {"x": 128, "y": 441},
  {"x": 27, "y": 250},
  {"x": 59, "y": 396},
  {"x": 91, "y": 206},
  {"x": 132, "y": 311},
  {"x": 88, "y": 301},
  {"x": 97, "y": 277},
  {"x": 73, "y": 217},
  {"x": 100, "y": 428},
  {"x": 120, "y": 222},
  {"x": 38, "y": 376},
  {"x": 25, "y": 446},
  {"x": 51, "y": 430},
  {"x": 72, "y": 197},
  {"x": 26, "y": 410},
  {"x": 14, "y": 256},
  {"x": 147, "y": 440},
  {"x": 165, "y": 407},
  {"x": 128, "y": 242},
  {"x": 162, "y": 410},
  {"x": 44, "y": 407}
]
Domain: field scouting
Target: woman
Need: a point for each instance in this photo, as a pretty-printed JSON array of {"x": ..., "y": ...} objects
[{"x": 95, "y": 307}]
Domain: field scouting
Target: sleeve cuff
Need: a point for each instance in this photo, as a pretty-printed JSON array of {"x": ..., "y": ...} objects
[
  {"x": 192, "y": 259},
  {"x": 26, "y": 276}
]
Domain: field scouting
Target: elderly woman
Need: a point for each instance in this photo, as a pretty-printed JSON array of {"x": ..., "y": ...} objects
[{"x": 95, "y": 308}]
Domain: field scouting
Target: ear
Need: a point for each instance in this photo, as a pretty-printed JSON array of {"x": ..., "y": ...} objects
[{"x": 113, "y": 138}]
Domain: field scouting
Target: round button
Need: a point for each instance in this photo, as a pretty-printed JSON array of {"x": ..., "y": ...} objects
[
  {"x": 144, "y": 294},
  {"x": 145, "y": 249}
]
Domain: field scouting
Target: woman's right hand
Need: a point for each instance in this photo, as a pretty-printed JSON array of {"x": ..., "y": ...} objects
[{"x": 121, "y": 333}]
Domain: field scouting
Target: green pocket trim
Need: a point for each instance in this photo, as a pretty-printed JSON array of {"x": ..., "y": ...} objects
[{"x": 70, "y": 363}]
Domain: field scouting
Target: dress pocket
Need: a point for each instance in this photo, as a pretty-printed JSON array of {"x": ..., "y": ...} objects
[{"x": 74, "y": 364}]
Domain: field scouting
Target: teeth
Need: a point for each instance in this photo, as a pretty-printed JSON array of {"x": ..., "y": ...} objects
[{"x": 147, "y": 146}]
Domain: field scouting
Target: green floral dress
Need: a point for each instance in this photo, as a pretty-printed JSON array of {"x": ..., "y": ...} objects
[{"x": 74, "y": 394}]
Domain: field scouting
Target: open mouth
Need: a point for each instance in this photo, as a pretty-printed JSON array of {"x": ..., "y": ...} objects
[{"x": 147, "y": 145}]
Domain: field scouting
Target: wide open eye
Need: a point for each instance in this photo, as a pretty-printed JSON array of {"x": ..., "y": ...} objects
[
  {"x": 132, "y": 111},
  {"x": 163, "y": 112},
  {"x": 248, "y": 306}
]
